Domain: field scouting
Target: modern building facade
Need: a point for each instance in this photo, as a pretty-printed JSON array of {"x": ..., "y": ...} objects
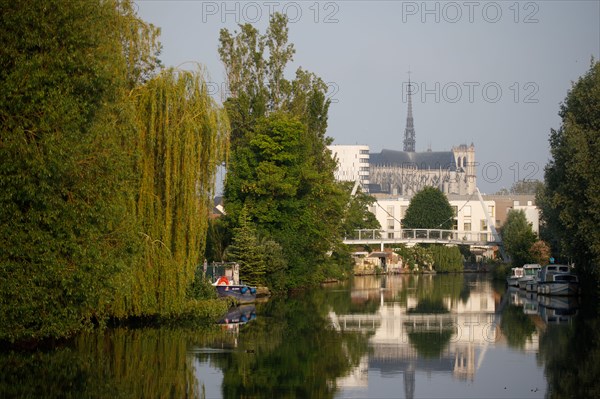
[{"x": 353, "y": 163}]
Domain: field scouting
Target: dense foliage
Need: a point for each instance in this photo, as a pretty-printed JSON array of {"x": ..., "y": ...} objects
[
  {"x": 523, "y": 187},
  {"x": 571, "y": 197},
  {"x": 65, "y": 229},
  {"x": 518, "y": 237},
  {"x": 357, "y": 216},
  {"x": 446, "y": 259},
  {"x": 106, "y": 169},
  {"x": 280, "y": 171},
  {"x": 428, "y": 209}
]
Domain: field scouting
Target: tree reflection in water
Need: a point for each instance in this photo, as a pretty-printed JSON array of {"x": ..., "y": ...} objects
[
  {"x": 290, "y": 350},
  {"x": 117, "y": 363},
  {"x": 516, "y": 326},
  {"x": 571, "y": 355}
]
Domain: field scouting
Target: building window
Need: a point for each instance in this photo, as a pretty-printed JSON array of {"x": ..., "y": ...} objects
[
  {"x": 467, "y": 211},
  {"x": 455, "y": 210},
  {"x": 390, "y": 224},
  {"x": 455, "y": 224},
  {"x": 491, "y": 211},
  {"x": 364, "y": 151},
  {"x": 483, "y": 225},
  {"x": 403, "y": 209},
  {"x": 390, "y": 210},
  {"x": 467, "y": 226}
]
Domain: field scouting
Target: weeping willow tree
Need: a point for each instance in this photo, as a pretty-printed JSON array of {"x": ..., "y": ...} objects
[{"x": 182, "y": 137}]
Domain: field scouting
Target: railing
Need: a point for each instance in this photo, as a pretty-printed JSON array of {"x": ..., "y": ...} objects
[{"x": 370, "y": 236}]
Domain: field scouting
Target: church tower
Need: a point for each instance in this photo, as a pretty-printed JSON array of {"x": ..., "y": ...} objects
[{"x": 409, "y": 132}]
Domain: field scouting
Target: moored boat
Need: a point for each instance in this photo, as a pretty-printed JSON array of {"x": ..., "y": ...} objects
[
  {"x": 557, "y": 280},
  {"x": 241, "y": 292},
  {"x": 530, "y": 273},
  {"x": 515, "y": 274},
  {"x": 226, "y": 277}
]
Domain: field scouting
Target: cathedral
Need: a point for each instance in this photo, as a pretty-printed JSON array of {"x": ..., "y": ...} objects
[{"x": 407, "y": 172}]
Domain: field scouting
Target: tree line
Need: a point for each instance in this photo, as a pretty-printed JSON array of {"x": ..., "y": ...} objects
[
  {"x": 108, "y": 164},
  {"x": 107, "y": 168}
]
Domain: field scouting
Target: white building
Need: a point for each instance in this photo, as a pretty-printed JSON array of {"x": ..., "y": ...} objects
[
  {"x": 353, "y": 163},
  {"x": 469, "y": 214}
]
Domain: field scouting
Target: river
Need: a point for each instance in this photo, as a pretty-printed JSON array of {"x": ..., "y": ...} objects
[{"x": 446, "y": 336}]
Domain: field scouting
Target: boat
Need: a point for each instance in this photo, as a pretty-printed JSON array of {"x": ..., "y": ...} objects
[
  {"x": 226, "y": 277},
  {"x": 557, "y": 280},
  {"x": 530, "y": 273},
  {"x": 515, "y": 275},
  {"x": 241, "y": 292}
]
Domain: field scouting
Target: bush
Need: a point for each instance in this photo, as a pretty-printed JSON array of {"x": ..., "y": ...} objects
[{"x": 446, "y": 259}]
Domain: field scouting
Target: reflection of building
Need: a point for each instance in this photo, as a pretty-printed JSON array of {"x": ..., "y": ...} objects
[{"x": 467, "y": 327}]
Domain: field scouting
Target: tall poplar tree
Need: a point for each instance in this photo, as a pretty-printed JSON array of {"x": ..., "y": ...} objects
[{"x": 280, "y": 169}]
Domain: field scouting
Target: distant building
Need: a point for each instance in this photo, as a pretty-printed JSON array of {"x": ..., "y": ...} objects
[
  {"x": 407, "y": 172},
  {"x": 469, "y": 215},
  {"x": 524, "y": 202},
  {"x": 353, "y": 163}
]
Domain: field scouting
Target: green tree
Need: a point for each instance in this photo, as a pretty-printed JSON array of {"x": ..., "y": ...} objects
[
  {"x": 523, "y": 187},
  {"x": 106, "y": 167},
  {"x": 571, "y": 199},
  {"x": 429, "y": 209},
  {"x": 357, "y": 215},
  {"x": 518, "y": 237},
  {"x": 66, "y": 183},
  {"x": 280, "y": 170},
  {"x": 182, "y": 137},
  {"x": 246, "y": 251},
  {"x": 446, "y": 259}
]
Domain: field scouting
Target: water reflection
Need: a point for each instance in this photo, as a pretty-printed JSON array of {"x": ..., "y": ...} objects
[
  {"x": 389, "y": 336},
  {"x": 424, "y": 323}
]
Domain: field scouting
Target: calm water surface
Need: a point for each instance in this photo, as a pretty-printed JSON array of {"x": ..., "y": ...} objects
[{"x": 374, "y": 337}]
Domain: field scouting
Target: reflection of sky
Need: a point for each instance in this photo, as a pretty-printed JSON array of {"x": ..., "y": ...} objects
[
  {"x": 209, "y": 376},
  {"x": 504, "y": 367}
]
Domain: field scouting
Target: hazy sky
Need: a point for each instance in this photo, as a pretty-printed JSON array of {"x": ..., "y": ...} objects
[{"x": 490, "y": 73}]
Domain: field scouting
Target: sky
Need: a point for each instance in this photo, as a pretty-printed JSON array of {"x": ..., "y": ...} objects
[{"x": 491, "y": 73}]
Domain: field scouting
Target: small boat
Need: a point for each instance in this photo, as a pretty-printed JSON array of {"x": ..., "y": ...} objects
[
  {"x": 530, "y": 273},
  {"x": 226, "y": 277},
  {"x": 241, "y": 292},
  {"x": 513, "y": 279},
  {"x": 557, "y": 280}
]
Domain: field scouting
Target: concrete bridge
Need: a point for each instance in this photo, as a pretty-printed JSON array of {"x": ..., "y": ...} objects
[{"x": 416, "y": 236}]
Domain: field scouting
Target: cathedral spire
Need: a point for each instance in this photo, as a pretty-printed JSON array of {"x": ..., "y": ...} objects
[{"x": 409, "y": 132}]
